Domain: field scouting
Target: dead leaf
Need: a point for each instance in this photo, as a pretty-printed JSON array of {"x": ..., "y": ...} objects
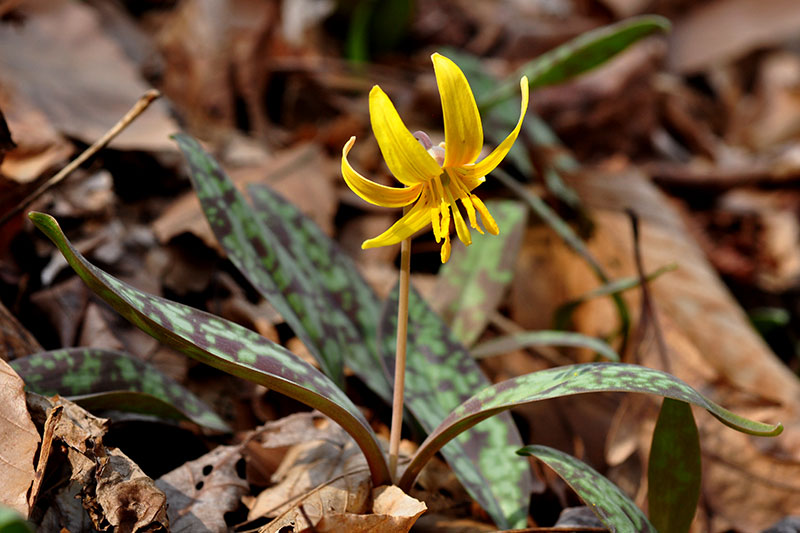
[
  {"x": 315, "y": 478},
  {"x": 393, "y": 511},
  {"x": 721, "y": 31},
  {"x": 200, "y": 492},
  {"x": 19, "y": 443},
  {"x": 67, "y": 67},
  {"x": 15, "y": 340},
  {"x": 114, "y": 492}
]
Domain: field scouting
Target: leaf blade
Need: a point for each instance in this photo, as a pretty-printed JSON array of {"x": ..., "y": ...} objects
[
  {"x": 674, "y": 469},
  {"x": 96, "y": 378},
  {"x": 525, "y": 339},
  {"x": 606, "y": 500},
  {"x": 565, "y": 381},
  {"x": 256, "y": 358}
]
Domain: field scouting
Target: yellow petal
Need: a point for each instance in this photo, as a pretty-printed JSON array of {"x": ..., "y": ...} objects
[
  {"x": 490, "y": 162},
  {"x": 463, "y": 133},
  {"x": 417, "y": 218},
  {"x": 372, "y": 192},
  {"x": 406, "y": 158}
]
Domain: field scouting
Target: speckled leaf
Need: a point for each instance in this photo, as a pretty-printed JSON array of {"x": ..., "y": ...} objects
[
  {"x": 515, "y": 341},
  {"x": 224, "y": 345},
  {"x": 106, "y": 379},
  {"x": 267, "y": 265},
  {"x": 440, "y": 374},
  {"x": 583, "y": 53},
  {"x": 674, "y": 469},
  {"x": 336, "y": 277},
  {"x": 567, "y": 381},
  {"x": 472, "y": 284},
  {"x": 617, "y": 512}
]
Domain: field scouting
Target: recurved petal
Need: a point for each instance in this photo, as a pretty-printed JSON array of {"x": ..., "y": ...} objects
[
  {"x": 406, "y": 158},
  {"x": 372, "y": 192},
  {"x": 463, "y": 133},
  {"x": 417, "y": 218},
  {"x": 490, "y": 162}
]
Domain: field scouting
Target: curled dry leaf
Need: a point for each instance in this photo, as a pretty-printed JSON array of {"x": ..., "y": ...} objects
[
  {"x": 393, "y": 511},
  {"x": 15, "y": 340},
  {"x": 316, "y": 478},
  {"x": 200, "y": 492},
  {"x": 113, "y": 490},
  {"x": 19, "y": 443}
]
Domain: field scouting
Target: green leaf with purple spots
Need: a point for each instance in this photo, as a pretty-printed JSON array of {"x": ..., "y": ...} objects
[
  {"x": 674, "y": 469},
  {"x": 226, "y": 346},
  {"x": 441, "y": 374},
  {"x": 473, "y": 282},
  {"x": 107, "y": 379},
  {"x": 525, "y": 339},
  {"x": 336, "y": 277},
  {"x": 567, "y": 381},
  {"x": 617, "y": 512},
  {"x": 268, "y": 266}
]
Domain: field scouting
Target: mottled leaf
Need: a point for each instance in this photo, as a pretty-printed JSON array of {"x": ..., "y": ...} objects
[
  {"x": 583, "y": 53},
  {"x": 267, "y": 266},
  {"x": 674, "y": 470},
  {"x": 515, "y": 341},
  {"x": 617, "y": 512},
  {"x": 336, "y": 277},
  {"x": 567, "y": 381},
  {"x": 473, "y": 282},
  {"x": 224, "y": 345},
  {"x": 106, "y": 379},
  {"x": 440, "y": 374},
  {"x": 563, "y": 315}
]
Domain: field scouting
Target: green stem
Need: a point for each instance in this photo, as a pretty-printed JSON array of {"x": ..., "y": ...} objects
[{"x": 400, "y": 357}]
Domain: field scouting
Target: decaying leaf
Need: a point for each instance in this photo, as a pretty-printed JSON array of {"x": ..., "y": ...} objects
[
  {"x": 315, "y": 478},
  {"x": 15, "y": 340},
  {"x": 200, "y": 492},
  {"x": 115, "y": 494},
  {"x": 19, "y": 443},
  {"x": 393, "y": 511}
]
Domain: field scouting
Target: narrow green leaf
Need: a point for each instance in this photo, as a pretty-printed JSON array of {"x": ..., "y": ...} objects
[
  {"x": 674, "y": 470},
  {"x": 583, "y": 53},
  {"x": 563, "y": 315},
  {"x": 335, "y": 275},
  {"x": 102, "y": 379},
  {"x": 440, "y": 374},
  {"x": 268, "y": 267},
  {"x": 515, "y": 341},
  {"x": 567, "y": 381},
  {"x": 224, "y": 345},
  {"x": 607, "y": 501},
  {"x": 473, "y": 282}
]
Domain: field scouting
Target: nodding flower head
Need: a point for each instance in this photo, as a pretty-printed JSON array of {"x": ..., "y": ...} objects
[{"x": 434, "y": 176}]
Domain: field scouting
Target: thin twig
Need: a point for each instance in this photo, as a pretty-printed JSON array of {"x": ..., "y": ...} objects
[
  {"x": 143, "y": 103},
  {"x": 400, "y": 356}
]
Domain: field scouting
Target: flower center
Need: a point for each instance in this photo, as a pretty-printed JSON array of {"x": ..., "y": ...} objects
[{"x": 436, "y": 152}]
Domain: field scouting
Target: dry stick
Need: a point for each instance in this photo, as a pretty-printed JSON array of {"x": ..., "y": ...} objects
[
  {"x": 400, "y": 355},
  {"x": 143, "y": 103}
]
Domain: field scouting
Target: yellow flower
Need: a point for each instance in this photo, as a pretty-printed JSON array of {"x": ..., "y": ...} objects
[{"x": 434, "y": 176}]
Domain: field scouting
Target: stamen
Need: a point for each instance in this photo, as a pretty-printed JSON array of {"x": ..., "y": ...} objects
[
  {"x": 488, "y": 221},
  {"x": 461, "y": 227},
  {"x": 445, "y": 252},
  {"x": 423, "y": 139},
  {"x": 445, "y": 211},
  {"x": 473, "y": 221}
]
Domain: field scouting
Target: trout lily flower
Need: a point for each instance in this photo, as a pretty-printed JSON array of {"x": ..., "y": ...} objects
[{"x": 434, "y": 177}]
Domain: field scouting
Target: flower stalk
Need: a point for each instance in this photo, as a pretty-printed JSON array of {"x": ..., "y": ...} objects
[{"x": 400, "y": 357}]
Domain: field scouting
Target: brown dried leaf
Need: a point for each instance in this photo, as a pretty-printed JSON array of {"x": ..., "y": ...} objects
[
  {"x": 724, "y": 30},
  {"x": 316, "y": 478},
  {"x": 63, "y": 61},
  {"x": 393, "y": 511},
  {"x": 113, "y": 490},
  {"x": 15, "y": 340},
  {"x": 200, "y": 492},
  {"x": 19, "y": 443}
]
